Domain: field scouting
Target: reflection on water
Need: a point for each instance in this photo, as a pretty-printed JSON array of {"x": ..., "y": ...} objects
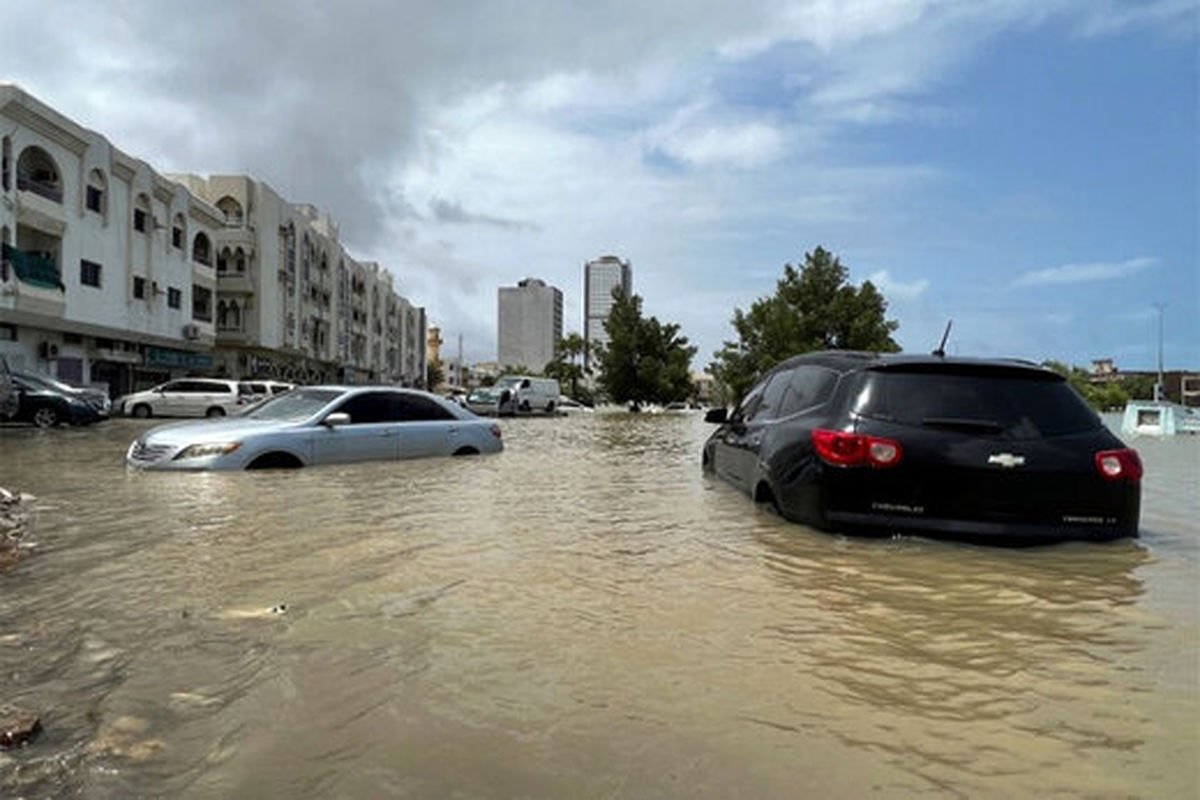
[{"x": 581, "y": 615}]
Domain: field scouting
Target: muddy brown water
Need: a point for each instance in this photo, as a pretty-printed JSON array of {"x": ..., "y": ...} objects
[{"x": 583, "y": 615}]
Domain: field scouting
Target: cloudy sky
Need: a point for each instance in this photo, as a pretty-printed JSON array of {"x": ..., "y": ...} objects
[{"x": 1028, "y": 168}]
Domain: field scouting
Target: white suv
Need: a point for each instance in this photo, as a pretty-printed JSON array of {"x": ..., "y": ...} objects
[{"x": 188, "y": 397}]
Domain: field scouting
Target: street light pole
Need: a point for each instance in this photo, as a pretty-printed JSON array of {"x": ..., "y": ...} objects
[{"x": 1159, "y": 387}]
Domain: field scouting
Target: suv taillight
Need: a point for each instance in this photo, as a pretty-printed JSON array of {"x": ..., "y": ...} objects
[
  {"x": 1119, "y": 465},
  {"x": 843, "y": 449}
]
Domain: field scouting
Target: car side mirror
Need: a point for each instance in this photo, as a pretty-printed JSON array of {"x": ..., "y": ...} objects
[
  {"x": 718, "y": 416},
  {"x": 336, "y": 419}
]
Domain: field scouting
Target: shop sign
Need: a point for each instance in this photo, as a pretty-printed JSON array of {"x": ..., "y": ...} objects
[{"x": 177, "y": 359}]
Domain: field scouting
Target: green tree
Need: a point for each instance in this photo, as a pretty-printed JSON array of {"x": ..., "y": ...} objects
[
  {"x": 645, "y": 361},
  {"x": 813, "y": 308},
  {"x": 1100, "y": 396},
  {"x": 566, "y": 367}
]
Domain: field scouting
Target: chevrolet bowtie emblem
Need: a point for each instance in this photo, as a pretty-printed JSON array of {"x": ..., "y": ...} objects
[{"x": 1006, "y": 460}]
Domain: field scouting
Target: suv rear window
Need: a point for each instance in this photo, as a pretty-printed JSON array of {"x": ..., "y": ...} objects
[{"x": 1021, "y": 406}]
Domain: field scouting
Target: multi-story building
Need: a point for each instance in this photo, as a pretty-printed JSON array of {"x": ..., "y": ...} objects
[
  {"x": 293, "y": 304},
  {"x": 106, "y": 267},
  {"x": 530, "y": 322},
  {"x": 600, "y": 277}
]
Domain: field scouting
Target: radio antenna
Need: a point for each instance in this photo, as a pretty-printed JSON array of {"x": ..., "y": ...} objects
[{"x": 941, "y": 348}]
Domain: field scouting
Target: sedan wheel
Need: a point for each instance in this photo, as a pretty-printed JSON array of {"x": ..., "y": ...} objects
[
  {"x": 141, "y": 411},
  {"x": 45, "y": 417},
  {"x": 213, "y": 413}
]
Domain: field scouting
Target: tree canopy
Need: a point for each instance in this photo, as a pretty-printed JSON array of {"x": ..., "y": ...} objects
[
  {"x": 813, "y": 308},
  {"x": 1108, "y": 395},
  {"x": 645, "y": 361},
  {"x": 566, "y": 364}
]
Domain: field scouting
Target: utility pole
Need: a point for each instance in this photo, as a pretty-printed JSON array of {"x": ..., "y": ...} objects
[
  {"x": 1160, "y": 386},
  {"x": 460, "y": 364}
]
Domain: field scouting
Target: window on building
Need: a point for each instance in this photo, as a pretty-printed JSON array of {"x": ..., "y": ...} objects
[
  {"x": 139, "y": 220},
  {"x": 177, "y": 237},
  {"x": 6, "y": 164},
  {"x": 89, "y": 273},
  {"x": 139, "y": 288},
  {"x": 202, "y": 250},
  {"x": 37, "y": 173},
  {"x": 94, "y": 192},
  {"x": 202, "y": 303},
  {"x": 174, "y": 297}
]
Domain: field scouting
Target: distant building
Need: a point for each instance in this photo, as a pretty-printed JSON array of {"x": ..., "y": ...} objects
[
  {"x": 530, "y": 323},
  {"x": 600, "y": 277}
]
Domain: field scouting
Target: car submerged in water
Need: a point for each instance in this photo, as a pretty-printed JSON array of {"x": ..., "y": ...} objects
[
  {"x": 998, "y": 450},
  {"x": 320, "y": 425}
]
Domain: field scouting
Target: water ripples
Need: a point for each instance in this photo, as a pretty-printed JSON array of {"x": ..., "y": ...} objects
[{"x": 582, "y": 615}]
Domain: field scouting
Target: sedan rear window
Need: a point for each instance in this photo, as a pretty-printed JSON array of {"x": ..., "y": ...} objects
[{"x": 1011, "y": 404}]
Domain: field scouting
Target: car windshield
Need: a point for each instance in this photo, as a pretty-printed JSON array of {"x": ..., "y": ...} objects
[
  {"x": 508, "y": 383},
  {"x": 483, "y": 395},
  {"x": 294, "y": 406}
]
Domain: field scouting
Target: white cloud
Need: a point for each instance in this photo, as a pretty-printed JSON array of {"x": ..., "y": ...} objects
[
  {"x": 1085, "y": 272},
  {"x": 892, "y": 288},
  {"x": 745, "y": 145}
]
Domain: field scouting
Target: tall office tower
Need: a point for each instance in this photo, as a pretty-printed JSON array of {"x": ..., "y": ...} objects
[
  {"x": 530, "y": 324},
  {"x": 600, "y": 277}
]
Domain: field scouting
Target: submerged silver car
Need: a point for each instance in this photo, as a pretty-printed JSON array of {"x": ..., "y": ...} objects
[{"x": 320, "y": 425}]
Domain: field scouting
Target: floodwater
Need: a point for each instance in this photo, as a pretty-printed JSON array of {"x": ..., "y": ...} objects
[{"x": 582, "y": 615}]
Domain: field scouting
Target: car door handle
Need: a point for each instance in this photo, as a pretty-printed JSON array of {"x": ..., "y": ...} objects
[
  {"x": 387, "y": 433},
  {"x": 452, "y": 430}
]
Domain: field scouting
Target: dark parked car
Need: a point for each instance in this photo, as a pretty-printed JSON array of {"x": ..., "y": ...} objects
[
  {"x": 46, "y": 402},
  {"x": 880, "y": 444}
]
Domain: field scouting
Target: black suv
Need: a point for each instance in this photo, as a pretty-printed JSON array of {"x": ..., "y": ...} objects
[{"x": 877, "y": 444}]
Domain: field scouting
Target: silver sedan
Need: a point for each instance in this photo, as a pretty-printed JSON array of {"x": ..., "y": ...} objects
[{"x": 320, "y": 425}]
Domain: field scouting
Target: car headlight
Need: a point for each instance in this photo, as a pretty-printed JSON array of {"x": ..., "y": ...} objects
[{"x": 204, "y": 450}]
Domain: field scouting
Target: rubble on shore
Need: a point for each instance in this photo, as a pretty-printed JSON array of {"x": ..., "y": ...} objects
[{"x": 15, "y": 510}]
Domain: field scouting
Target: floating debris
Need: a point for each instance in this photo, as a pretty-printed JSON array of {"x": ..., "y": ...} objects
[{"x": 17, "y": 726}]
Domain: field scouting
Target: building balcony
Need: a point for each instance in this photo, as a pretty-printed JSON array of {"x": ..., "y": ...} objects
[
  {"x": 235, "y": 237},
  {"x": 50, "y": 191},
  {"x": 36, "y": 211},
  {"x": 234, "y": 283}
]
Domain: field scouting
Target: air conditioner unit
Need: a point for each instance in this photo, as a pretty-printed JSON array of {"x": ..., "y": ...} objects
[
  {"x": 191, "y": 331},
  {"x": 48, "y": 350}
]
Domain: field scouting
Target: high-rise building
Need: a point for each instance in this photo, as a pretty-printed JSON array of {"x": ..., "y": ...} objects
[
  {"x": 600, "y": 277},
  {"x": 530, "y": 323}
]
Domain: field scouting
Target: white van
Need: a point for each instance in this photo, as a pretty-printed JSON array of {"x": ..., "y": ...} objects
[{"x": 530, "y": 394}]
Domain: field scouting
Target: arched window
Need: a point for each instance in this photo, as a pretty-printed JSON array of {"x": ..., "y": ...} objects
[
  {"x": 6, "y": 163},
  {"x": 239, "y": 261},
  {"x": 141, "y": 213},
  {"x": 37, "y": 173},
  {"x": 202, "y": 250},
  {"x": 235, "y": 316},
  {"x": 222, "y": 315},
  {"x": 178, "y": 232},
  {"x": 96, "y": 193},
  {"x": 223, "y": 260},
  {"x": 232, "y": 210},
  {"x": 3, "y": 254}
]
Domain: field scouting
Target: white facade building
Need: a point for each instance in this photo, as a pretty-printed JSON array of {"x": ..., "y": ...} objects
[
  {"x": 112, "y": 274},
  {"x": 600, "y": 277},
  {"x": 293, "y": 304},
  {"x": 530, "y": 322},
  {"x": 106, "y": 267}
]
